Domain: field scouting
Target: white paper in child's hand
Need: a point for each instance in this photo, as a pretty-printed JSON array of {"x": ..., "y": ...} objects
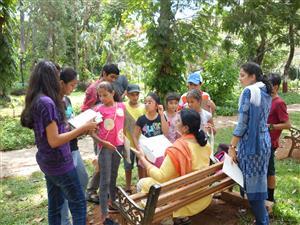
[
  {"x": 232, "y": 170},
  {"x": 85, "y": 117}
]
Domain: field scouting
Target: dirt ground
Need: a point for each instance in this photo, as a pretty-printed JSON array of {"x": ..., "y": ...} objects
[{"x": 213, "y": 215}]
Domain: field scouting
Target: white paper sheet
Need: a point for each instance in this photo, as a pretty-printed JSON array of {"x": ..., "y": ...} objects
[
  {"x": 232, "y": 170},
  {"x": 84, "y": 117},
  {"x": 154, "y": 147}
]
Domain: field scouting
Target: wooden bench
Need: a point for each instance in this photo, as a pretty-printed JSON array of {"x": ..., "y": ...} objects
[
  {"x": 163, "y": 199},
  {"x": 295, "y": 138}
]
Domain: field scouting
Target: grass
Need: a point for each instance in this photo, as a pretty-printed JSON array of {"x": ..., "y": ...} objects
[
  {"x": 286, "y": 210},
  {"x": 13, "y": 135},
  {"x": 295, "y": 119},
  {"x": 23, "y": 200},
  {"x": 290, "y": 97}
]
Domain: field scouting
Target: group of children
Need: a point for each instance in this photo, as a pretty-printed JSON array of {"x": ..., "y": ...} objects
[
  {"x": 47, "y": 109},
  {"x": 133, "y": 119}
]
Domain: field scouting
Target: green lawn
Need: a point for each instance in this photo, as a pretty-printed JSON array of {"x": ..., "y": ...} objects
[
  {"x": 290, "y": 97},
  {"x": 23, "y": 200}
]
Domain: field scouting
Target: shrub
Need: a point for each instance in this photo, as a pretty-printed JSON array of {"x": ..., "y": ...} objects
[
  {"x": 13, "y": 135},
  {"x": 220, "y": 76},
  {"x": 290, "y": 97}
]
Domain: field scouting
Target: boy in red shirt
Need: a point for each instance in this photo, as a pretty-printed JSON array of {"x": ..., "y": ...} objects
[{"x": 277, "y": 121}]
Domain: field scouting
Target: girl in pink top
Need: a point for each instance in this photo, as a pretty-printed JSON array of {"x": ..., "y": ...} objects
[
  {"x": 111, "y": 130},
  {"x": 172, "y": 100}
]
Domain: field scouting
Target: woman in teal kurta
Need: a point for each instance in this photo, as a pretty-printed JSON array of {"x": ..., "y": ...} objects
[{"x": 252, "y": 139}]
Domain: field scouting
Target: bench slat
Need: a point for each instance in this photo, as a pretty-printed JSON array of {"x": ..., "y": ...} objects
[
  {"x": 190, "y": 177},
  {"x": 167, "y": 210},
  {"x": 180, "y": 192}
]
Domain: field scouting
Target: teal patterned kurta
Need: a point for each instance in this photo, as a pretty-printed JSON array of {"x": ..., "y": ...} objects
[{"x": 254, "y": 147}]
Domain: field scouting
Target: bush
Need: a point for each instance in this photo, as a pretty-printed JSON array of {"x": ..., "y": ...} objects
[
  {"x": 290, "y": 98},
  {"x": 220, "y": 73},
  {"x": 294, "y": 73},
  {"x": 229, "y": 107},
  {"x": 18, "y": 89},
  {"x": 82, "y": 85},
  {"x": 13, "y": 135}
]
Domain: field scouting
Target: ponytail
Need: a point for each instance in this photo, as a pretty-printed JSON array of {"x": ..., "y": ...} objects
[
  {"x": 201, "y": 137},
  {"x": 268, "y": 84}
]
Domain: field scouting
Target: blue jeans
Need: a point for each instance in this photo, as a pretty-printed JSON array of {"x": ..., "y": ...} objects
[
  {"x": 59, "y": 188},
  {"x": 260, "y": 212},
  {"x": 83, "y": 179},
  {"x": 109, "y": 162}
]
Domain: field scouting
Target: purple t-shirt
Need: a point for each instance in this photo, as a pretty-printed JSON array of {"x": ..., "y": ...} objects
[{"x": 52, "y": 161}]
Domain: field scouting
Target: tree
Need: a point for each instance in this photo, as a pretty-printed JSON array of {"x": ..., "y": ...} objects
[
  {"x": 288, "y": 26},
  {"x": 8, "y": 65},
  {"x": 264, "y": 27}
]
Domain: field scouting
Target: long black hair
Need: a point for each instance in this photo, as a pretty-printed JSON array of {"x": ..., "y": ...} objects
[
  {"x": 44, "y": 80},
  {"x": 192, "y": 120},
  {"x": 252, "y": 68}
]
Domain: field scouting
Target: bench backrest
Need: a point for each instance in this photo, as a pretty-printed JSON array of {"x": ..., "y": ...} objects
[{"x": 162, "y": 200}]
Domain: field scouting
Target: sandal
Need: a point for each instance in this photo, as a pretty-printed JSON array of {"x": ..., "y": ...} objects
[
  {"x": 92, "y": 197},
  {"x": 109, "y": 221},
  {"x": 182, "y": 221},
  {"x": 112, "y": 208}
]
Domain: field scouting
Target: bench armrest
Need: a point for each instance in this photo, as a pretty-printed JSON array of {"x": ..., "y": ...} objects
[{"x": 131, "y": 211}]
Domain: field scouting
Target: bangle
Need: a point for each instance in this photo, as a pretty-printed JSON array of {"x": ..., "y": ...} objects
[
  {"x": 232, "y": 146},
  {"x": 271, "y": 126}
]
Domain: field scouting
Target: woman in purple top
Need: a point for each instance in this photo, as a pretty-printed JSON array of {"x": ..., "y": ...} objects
[{"x": 44, "y": 113}]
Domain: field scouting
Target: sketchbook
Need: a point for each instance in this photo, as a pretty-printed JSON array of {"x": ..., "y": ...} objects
[
  {"x": 232, "y": 170},
  {"x": 84, "y": 117},
  {"x": 154, "y": 148}
]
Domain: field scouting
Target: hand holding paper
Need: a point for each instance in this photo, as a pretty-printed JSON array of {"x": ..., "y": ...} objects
[
  {"x": 86, "y": 116},
  {"x": 232, "y": 170}
]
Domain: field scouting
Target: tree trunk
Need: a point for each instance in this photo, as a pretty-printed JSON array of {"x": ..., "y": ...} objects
[
  {"x": 76, "y": 36},
  {"x": 164, "y": 31},
  {"x": 22, "y": 41},
  {"x": 290, "y": 59},
  {"x": 260, "y": 51}
]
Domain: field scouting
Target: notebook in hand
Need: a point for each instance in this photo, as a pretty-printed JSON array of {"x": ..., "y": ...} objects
[
  {"x": 154, "y": 148},
  {"x": 84, "y": 117}
]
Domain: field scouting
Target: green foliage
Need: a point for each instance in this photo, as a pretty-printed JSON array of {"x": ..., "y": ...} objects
[
  {"x": 220, "y": 73},
  {"x": 8, "y": 60},
  {"x": 166, "y": 61},
  {"x": 294, "y": 73},
  {"x": 262, "y": 26},
  {"x": 13, "y": 135},
  {"x": 290, "y": 97},
  {"x": 228, "y": 108}
]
